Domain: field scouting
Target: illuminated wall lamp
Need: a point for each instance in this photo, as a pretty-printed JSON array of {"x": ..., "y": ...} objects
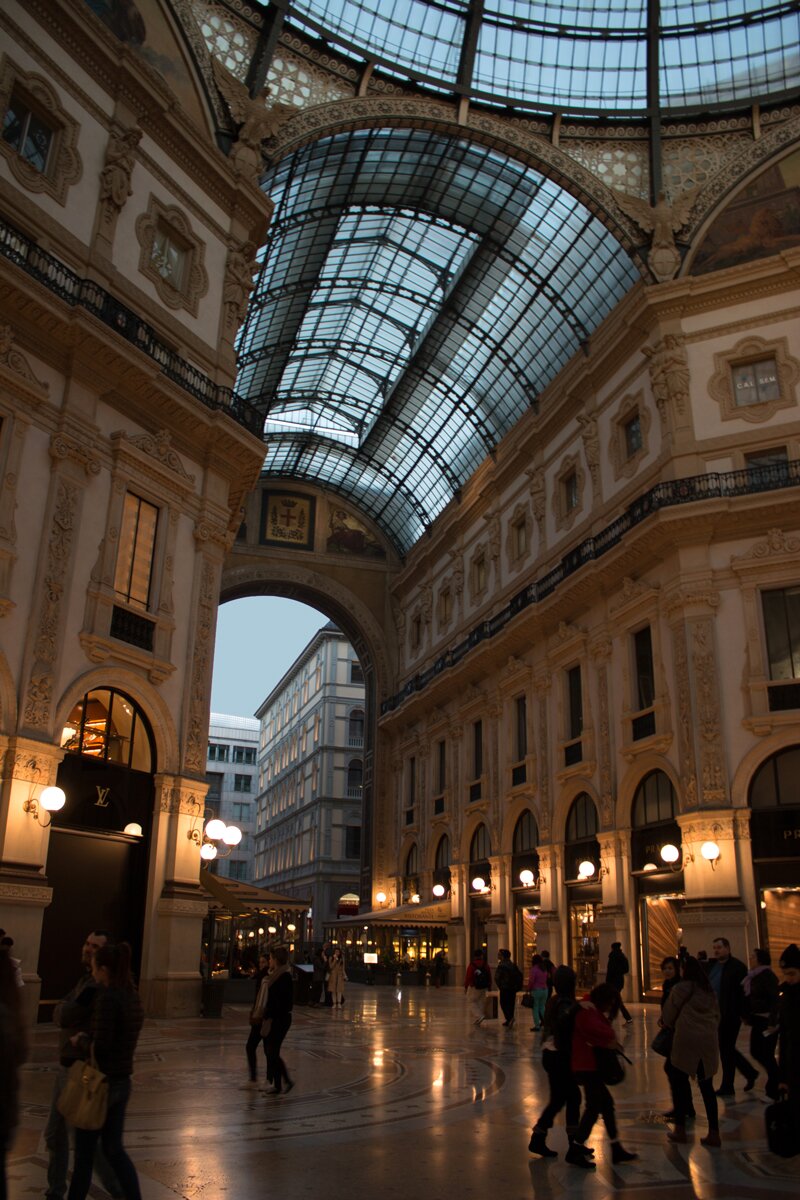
[
  {"x": 380, "y": 897},
  {"x": 51, "y": 799},
  {"x": 586, "y": 869},
  {"x": 480, "y": 885},
  {"x": 438, "y": 890},
  {"x": 415, "y": 898},
  {"x": 711, "y": 853},
  {"x": 526, "y": 878}
]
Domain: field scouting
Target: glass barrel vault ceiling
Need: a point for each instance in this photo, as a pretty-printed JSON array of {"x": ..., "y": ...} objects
[
  {"x": 587, "y": 57},
  {"x": 416, "y": 296}
]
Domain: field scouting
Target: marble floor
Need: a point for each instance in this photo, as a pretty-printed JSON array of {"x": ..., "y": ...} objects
[{"x": 397, "y": 1097}]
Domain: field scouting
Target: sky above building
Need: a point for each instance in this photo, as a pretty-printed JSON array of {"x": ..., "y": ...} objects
[{"x": 258, "y": 639}]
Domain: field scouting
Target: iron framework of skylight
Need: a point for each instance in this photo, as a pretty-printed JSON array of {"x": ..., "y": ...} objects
[{"x": 417, "y": 294}]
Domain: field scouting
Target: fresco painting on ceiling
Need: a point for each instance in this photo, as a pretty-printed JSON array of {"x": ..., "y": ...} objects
[
  {"x": 287, "y": 519},
  {"x": 762, "y": 220},
  {"x": 145, "y": 29},
  {"x": 348, "y": 535}
]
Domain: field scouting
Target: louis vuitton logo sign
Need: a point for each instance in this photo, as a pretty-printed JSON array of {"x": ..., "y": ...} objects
[{"x": 102, "y": 797}]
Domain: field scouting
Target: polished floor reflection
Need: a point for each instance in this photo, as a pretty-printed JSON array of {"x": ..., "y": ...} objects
[{"x": 398, "y": 1097}]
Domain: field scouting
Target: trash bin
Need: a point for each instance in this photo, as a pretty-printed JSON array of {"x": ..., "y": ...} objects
[{"x": 213, "y": 993}]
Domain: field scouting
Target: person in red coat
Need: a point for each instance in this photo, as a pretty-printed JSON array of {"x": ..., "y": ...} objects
[
  {"x": 477, "y": 982},
  {"x": 593, "y": 1028}
]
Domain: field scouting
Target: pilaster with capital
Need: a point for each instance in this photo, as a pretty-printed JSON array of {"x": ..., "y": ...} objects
[
  {"x": 176, "y": 904},
  {"x": 28, "y": 766},
  {"x": 600, "y": 650},
  {"x": 211, "y": 542}
]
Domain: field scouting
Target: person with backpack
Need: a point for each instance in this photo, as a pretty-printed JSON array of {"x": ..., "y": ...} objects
[
  {"x": 557, "y": 1023},
  {"x": 618, "y": 967},
  {"x": 593, "y": 1031},
  {"x": 508, "y": 981},
  {"x": 477, "y": 982}
]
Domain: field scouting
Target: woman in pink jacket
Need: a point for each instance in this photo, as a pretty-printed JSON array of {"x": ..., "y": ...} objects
[
  {"x": 538, "y": 978},
  {"x": 593, "y": 1029}
]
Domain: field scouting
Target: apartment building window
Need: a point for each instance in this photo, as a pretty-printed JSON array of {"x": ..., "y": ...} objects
[
  {"x": 355, "y": 727},
  {"x": 244, "y": 754},
  {"x": 518, "y": 770},
  {"x": 573, "y": 751},
  {"x": 477, "y": 761},
  {"x": 28, "y": 132},
  {"x": 632, "y": 434},
  {"x": 352, "y": 841},
  {"x": 756, "y": 382},
  {"x": 237, "y": 868},
  {"x": 355, "y": 778},
  {"x": 781, "y": 608},
  {"x": 241, "y": 812},
  {"x": 242, "y": 783},
  {"x": 217, "y": 752},
  {"x": 445, "y": 607},
  {"x": 137, "y": 538},
  {"x": 440, "y": 775},
  {"x": 356, "y": 672},
  {"x": 644, "y": 724},
  {"x": 411, "y": 790}
]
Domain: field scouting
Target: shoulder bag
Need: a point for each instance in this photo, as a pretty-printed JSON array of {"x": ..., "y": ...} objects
[
  {"x": 662, "y": 1042},
  {"x": 83, "y": 1100},
  {"x": 609, "y": 1065}
]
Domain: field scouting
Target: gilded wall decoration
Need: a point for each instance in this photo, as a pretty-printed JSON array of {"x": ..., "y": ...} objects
[
  {"x": 197, "y": 725},
  {"x": 688, "y": 771},
  {"x": 348, "y": 534},
  {"x": 707, "y": 712},
  {"x": 258, "y": 119},
  {"x": 663, "y": 220},
  {"x": 115, "y": 177},
  {"x": 287, "y": 520},
  {"x": 46, "y": 644}
]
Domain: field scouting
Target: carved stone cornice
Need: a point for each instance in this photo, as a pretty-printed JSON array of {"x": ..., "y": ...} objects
[
  {"x": 63, "y": 447},
  {"x": 699, "y": 597},
  {"x": 778, "y": 549},
  {"x": 16, "y": 364},
  {"x": 634, "y": 595},
  {"x": 31, "y": 762}
]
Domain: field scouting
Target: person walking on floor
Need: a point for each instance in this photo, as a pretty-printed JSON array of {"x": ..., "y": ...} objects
[
  {"x": 278, "y": 1018},
  {"x": 593, "y": 1030},
  {"x": 508, "y": 981},
  {"x": 789, "y": 1036},
  {"x": 725, "y": 974},
  {"x": 557, "y": 1028},
  {"x": 337, "y": 977},
  {"x": 616, "y": 970},
  {"x": 117, "y": 1018},
  {"x": 761, "y": 994},
  {"x": 254, "y": 1037},
  {"x": 73, "y": 1017},
  {"x": 692, "y": 1012},
  {"x": 537, "y": 986},
  {"x": 477, "y": 982},
  {"x": 671, "y": 972},
  {"x": 13, "y": 1052}
]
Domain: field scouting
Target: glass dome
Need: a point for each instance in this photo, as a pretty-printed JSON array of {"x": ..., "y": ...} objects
[{"x": 586, "y": 57}]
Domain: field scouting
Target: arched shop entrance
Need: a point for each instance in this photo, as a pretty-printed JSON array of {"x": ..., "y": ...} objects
[
  {"x": 657, "y": 869},
  {"x": 525, "y": 886},
  {"x": 584, "y": 892},
  {"x": 99, "y": 843},
  {"x": 480, "y": 873},
  {"x": 775, "y": 834}
]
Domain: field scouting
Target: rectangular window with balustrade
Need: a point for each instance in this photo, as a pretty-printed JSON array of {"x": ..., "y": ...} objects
[{"x": 137, "y": 540}]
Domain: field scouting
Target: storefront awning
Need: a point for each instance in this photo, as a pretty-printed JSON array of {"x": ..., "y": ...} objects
[
  {"x": 406, "y": 914},
  {"x": 243, "y": 899}
]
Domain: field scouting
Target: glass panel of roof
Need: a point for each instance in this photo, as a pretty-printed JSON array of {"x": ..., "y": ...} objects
[
  {"x": 415, "y": 34},
  {"x": 406, "y": 341}
]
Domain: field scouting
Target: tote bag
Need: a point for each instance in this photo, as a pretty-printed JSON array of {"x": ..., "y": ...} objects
[{"x": 83, "y": 1101}]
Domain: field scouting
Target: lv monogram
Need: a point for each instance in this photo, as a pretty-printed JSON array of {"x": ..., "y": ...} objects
[{"x": 102, "y": 796}]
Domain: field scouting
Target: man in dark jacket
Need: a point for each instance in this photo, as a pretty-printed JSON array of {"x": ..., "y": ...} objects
[
  {"x": 725, "y": 974},
  {"x": 789, "y": 1024},
  {"x": 508, "y": 981},
  {"x": 73, "y": 1016},
  {"x": 618, "y": 967}
]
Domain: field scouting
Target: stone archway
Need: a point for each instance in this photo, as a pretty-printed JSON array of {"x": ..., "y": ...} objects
[{"x": 250, "y": 572}]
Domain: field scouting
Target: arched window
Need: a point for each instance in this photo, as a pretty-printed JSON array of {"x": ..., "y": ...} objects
[
  {"x": 480, "y": 847},
  {"x": 443, "y": 853},
  {"x": 777, "y": 781},
  {"x": 582, "y": 819},
  {"x": 355, "y": 776},
  {"x": 412, "y": 861},
  {"x": 526, "y": 834},
  {"x": 654, "y": 801},
  {"x": 355, "y": 727},
  {"x": 108, "y": 725}
]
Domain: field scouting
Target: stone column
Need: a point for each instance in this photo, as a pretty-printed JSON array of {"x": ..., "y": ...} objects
[
  {"x": 714, "y": 888},
  {"x": 551, "y": 929},
  {"x": 457, "y": 951},
  {"x": 28, "y": 767},
  {"x": 613, "y": 921},
  {"x": 497, "y": 934}
]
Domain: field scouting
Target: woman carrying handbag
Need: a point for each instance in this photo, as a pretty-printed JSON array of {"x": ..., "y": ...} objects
[
  {"x": 692, "y": 1012},
  {"x": 117, "y": 1019},
  {"x": 279, "y": 997}
]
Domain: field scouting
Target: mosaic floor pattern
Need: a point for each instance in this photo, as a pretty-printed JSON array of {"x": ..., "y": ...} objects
[{"x": 397, "y": 1097}]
